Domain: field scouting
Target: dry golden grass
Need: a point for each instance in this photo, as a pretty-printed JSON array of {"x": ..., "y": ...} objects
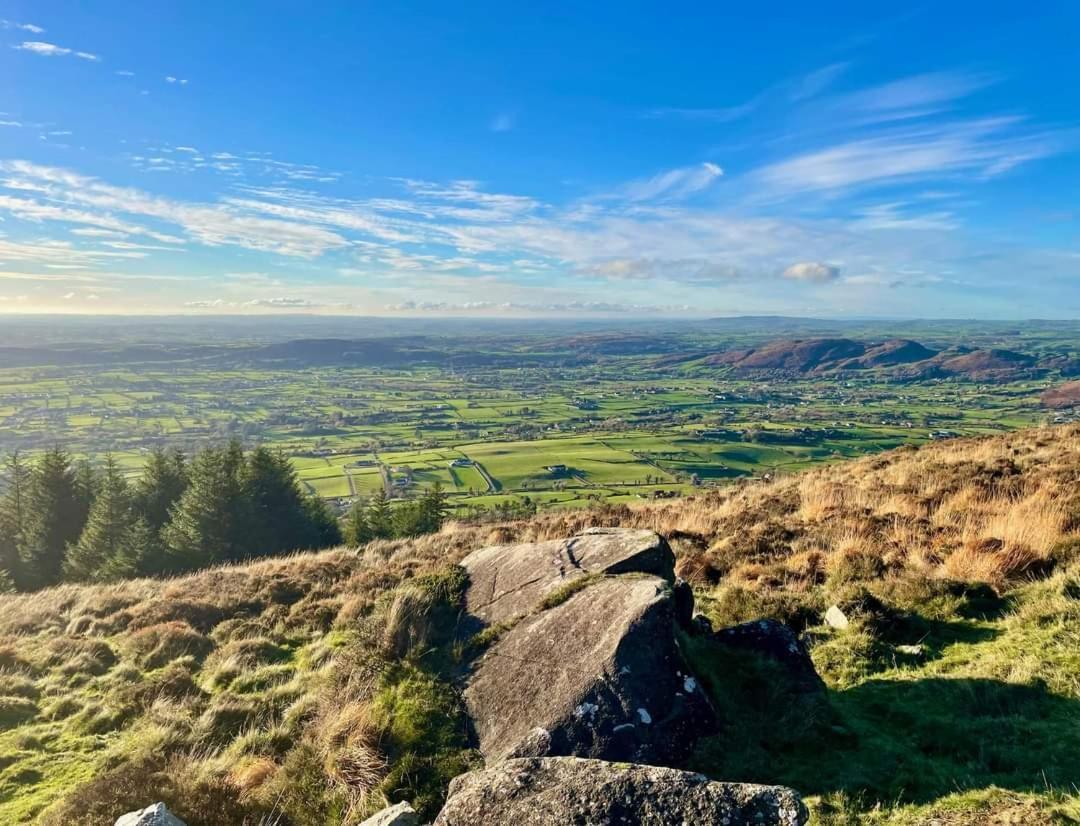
[{"x": 995, "y": 511}]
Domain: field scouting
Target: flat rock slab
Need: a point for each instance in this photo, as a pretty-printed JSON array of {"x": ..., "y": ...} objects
[
  {"x": 564, "y": 790},
  {"x": 509, "y": 581},
  {"x": 599, "y": 675}
]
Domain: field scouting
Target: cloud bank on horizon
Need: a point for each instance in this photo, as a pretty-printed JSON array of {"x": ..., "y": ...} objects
[{"x": 853, "y": 175}]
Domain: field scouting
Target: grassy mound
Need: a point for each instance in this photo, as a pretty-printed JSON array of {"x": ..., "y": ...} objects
[{"x": 315, "y": 688}]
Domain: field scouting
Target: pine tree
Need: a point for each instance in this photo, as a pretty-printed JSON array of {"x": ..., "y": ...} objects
[
  {"x": 279, "y": 520},
  {"x": 323, "y": 530},
  {"x": 55, "y": 519},
  {"x": 357, "y": 530},
  {"x": 208, "y": 521},
  {"x": 87, "y": 483},
  {"x": 434, "y": 507},
  {"x": 408, "y": 520},
  {"x": 163, "y": 482},
  {"x": 13, "y": 515},
  {"x": 380, "y": 516},
  {"x": 105, "y": 548}
]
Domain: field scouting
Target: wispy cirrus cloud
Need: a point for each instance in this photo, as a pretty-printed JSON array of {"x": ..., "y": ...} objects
[
  {"x": 675, "y": 183},
  {"x": 931, "y": 151},
  {"x": 26, "y": 27},
  {"x": 44, "y": 49}
]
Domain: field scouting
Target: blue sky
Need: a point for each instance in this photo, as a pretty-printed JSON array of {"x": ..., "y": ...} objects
[{"x": 839, "y": 159}]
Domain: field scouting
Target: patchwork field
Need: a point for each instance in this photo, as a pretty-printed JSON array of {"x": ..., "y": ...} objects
[{"x": 533, "y": 417}]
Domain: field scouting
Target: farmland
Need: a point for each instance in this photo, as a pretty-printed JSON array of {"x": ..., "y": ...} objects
[{"x": 562, "y": 424}]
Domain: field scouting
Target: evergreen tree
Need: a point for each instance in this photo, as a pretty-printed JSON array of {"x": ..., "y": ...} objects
[
  {"x": 209, "y": 520},
  {"x": 434, "y": 506},
  {"x": 323, "y": 530},
  {"x": 163, "y": 482},
  {"x": 279, "y": 517},
  {"x": 357, "y": 531},
  {"x": 380, "y": 516},
  {"x": 55, "y": 519},
  {"x": 138, "y": 554},
  {"x": 408, "y": 520},
  {"x": 13, "y": 515},
  {"x": 107, "y": 547},
  {"x": 86, "y": 487}
]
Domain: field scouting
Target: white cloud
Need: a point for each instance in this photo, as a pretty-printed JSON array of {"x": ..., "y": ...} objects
[
  {"x": 811, "y": 271},
  {"x": 26, "y": 27},
  {"x": 892, "y": 216},
  {"x": 124, "y": 73},
  {"x": 13, "y": 123},
  {"x": 180, "y": 80},
  {"x": 52, "y": 50},
  {"x": 979, "y": 148},
  {"x": 675, "y": 183},
  {"x": 210, "y": 224}
]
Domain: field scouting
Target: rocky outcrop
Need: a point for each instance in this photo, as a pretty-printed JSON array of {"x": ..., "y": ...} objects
[
  {"x": 401, "y": 814},
  {"x": 509, "y": 581},
  {"x": 155, "y": 815},
  {"x": 599, "y": 675},
  {"x": 775, "y": 641},
  {"x": 564, "y": 791}
]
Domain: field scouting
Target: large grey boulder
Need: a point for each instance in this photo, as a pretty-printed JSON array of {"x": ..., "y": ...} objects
[
  {"x": 400, "y": 814},
  {"x": 599, "y": 675},
  {"x": 155, "y": 815},
  {"x": 564, "y": 791},
  {"x": 510, "y": 581}
]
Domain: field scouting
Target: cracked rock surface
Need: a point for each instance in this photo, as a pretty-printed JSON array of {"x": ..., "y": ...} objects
[
  {"x": 509, "y": 581},
  {"x": 599, "y": 675},
  {"x": 567, "y": 791}
]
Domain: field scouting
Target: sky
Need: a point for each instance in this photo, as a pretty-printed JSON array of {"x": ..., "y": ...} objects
[{"x": 498, "y": 160}]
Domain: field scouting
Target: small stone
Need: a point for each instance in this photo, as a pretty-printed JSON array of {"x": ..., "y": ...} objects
[
  {"x": 400, "y": 814},
  {"x": 154, "y": 815},
  {"x": 836, "y": 618}
]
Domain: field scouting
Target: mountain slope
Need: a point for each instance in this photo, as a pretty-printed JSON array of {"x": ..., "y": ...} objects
[{"x": 314, "y": 687}]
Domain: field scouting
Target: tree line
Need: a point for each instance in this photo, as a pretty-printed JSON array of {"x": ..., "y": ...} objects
[{"x": 63, "y": 520}]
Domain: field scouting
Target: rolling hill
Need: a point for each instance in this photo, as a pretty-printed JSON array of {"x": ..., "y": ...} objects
[{"x": 900, "y": 357}]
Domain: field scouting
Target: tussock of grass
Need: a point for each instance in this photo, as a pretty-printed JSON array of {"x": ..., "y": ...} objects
[{"x": 317, "y": 687}]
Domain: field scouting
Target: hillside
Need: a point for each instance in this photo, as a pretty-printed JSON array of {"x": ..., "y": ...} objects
[
  {"x": 902, "y": 357},
  {"x": 1062, "y": 396},
  {"x": 316, "y": 687}
]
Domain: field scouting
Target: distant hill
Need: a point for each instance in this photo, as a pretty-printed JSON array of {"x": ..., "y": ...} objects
[
  {"x": 903, "y": 357},
  {"x": 1064, "y": 395}
]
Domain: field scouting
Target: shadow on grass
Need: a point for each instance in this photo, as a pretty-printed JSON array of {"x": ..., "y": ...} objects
[{"x": 909, "y": 740}]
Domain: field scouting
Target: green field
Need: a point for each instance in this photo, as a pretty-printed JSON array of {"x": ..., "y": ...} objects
[{"x": 614, "y": 428}]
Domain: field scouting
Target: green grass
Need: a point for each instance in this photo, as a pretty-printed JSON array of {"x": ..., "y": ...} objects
[{"x": 988, "y": 719}]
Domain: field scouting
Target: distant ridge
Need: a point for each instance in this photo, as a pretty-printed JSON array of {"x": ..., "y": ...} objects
[{"x": 903, "y": 357}]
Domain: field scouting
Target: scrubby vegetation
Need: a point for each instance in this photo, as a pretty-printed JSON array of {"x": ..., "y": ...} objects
[{"x": 313, "y": 688}]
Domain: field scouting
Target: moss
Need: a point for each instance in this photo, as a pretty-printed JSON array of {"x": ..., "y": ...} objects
[
  {"x": 564, "y": 592},
  {"x": 424, "y": 734}
]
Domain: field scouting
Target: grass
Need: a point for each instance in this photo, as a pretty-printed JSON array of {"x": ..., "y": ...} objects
[{"x": 321, "y": 686}]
